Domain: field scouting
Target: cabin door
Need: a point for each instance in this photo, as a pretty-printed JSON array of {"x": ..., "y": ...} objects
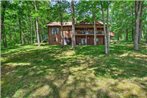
[{"x": 90, "y": 40}]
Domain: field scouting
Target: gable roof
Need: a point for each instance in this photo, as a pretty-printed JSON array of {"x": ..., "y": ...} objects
[
  {"x": 59, "y": 24},
  {"x": 98, "y": 22},
  {"x": 70, "y": 23}
]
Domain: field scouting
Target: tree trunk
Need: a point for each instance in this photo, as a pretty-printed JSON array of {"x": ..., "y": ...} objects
[
  {"x": 4, "y": 38},
  {"x": 105, "y": 35},
  {"x": 140, "y": 29},
  {"x": 132, "y": 34},
  {"x": 37, "y": 25},
  {"x": 118, "y": 35},
  {"x": 61, "y": 22},
  {"x": 20, "y": 27},
  {"x": 37, "y": 32},
  {"x": 146, "y": 38},
  {"x": 40, "y": 35},
  {"x": 94, "y": 22},
  {"x": 133, "y": 23},
  {"x": 140, "y": 26},
  {"x": 95, "y": 43},
  {"x": 73, "y": 24},
  {"x": 136, "y": 45},
  {"x": 138, "y": 9},
  {"x": 126, "y": 35},
  {"x": 31, "y": 30},
  {"x": 62, "y": 36},
  {"x": 35, "y": 35}
]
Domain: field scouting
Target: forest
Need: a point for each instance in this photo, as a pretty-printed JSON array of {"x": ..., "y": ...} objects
[
  {"x": 33, "y": 68},
  {"x": 21, "y": 20}
]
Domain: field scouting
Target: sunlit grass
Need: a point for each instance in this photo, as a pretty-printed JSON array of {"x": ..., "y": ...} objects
[{"x": 55, "y": 72}]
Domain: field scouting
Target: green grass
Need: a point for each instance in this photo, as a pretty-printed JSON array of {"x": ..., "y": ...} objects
[{"x": 55, "y": 72}]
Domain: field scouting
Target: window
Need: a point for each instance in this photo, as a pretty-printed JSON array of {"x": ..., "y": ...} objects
[
  {"x": 83, "y": 41},
  {"x": 99, "y": 32},
  {"x": 55, "y": 30},
  {"x": 97, "y": 39}
]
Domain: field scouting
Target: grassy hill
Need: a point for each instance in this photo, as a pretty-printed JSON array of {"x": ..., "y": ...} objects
[{"x": 55, "y": 72}]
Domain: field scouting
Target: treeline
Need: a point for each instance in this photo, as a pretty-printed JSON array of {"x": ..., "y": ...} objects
[{"x": 24, "y": 22}]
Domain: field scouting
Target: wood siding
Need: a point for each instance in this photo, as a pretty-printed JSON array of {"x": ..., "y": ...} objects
[
  {"x": 89, "y": 39},
  {"x": 81, "y": 39}
]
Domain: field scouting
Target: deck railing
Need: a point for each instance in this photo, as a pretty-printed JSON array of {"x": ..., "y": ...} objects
[{"x": 89, "y": 32}]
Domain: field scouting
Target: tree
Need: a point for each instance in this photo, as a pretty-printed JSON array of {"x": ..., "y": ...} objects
[
  {"x": 4, "y": 5},
  {"x": 88, "y": 11},
  {"x": 59, "y": 13},
  {"x": 138, "y": 14},
  {"x": 20, "y": 22},
  {"x": 122, "y": 19},
  {"x": 94, "y": 20},
  {"x": 37, "y": 25},
  {"x": 144, "y": 22},
  {"x": 20, "y": 26},
  {"x": 73, "y": 24},
  {"x": 61, "y": 21},
  {"x": 105, "y": 5},
  {"x": 107, "y": 29}
]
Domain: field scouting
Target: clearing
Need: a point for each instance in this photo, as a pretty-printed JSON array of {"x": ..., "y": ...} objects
[{"x": 52, "y": 72}]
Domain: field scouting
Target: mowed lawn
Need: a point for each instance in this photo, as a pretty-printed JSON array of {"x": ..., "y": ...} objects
[{"x": 55, "y": 72}]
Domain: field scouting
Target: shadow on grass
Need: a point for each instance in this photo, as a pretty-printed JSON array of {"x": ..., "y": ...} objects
[
  {"x": 121, "y": 63},
  {"x": 48, "y": 72}
]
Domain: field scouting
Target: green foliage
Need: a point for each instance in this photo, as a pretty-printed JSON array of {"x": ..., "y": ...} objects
[
  {"x": 86, "y": 9},
  {"x": 121, "y": 20},
  {"x": 24, "y": 12},
  {"x": 105, "y": 4}
]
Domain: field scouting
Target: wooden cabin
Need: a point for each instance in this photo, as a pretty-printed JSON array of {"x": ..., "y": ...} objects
[{"x": 84, "y": 33}]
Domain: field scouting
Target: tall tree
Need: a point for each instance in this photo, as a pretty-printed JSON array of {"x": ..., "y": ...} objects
[
  {"x": 138, "y": 14},
  {"x": 144, "y": 21},
  {"x": 61, "y": 21},
  {"x": 4, "y": 5},
  {"x": 140, "y": 26},
  {"x": 122, "y": 22},
  {"x": 105, "y": 6},
  {"x": 20, "y": 22},
  {"x": 73, "y": 24},
  {"x": 88, "y": 11},
  {"x": 107, "y": 28},
  {"x": 59, "y": 13},
  {"x": 37, "y": 25},
  {"x": 94, "y": 20}
]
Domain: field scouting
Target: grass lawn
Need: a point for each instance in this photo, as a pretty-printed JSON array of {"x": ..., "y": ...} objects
[{"x": 53, "y": 72}]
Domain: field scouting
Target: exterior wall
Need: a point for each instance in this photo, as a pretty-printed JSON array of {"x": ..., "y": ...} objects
[
  {"x": 89, "y": 39},
  {"x": 101, "y": 40},
  {"x": 55, "y": 39}
]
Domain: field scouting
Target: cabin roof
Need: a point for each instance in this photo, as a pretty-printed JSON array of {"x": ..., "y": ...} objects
[
  {"x": 70, "y": 23},
  {"x": 84, "y": 23},
  {"x": 59, "y": 24}
]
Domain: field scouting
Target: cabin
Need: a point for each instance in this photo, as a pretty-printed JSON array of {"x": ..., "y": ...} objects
[{"x": 84, "y": 33}]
